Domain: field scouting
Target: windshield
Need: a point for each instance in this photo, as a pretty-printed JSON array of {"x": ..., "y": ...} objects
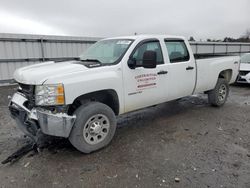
[
  {"x": 245, "y": 58},
  {"x": 106, "y": 51}
]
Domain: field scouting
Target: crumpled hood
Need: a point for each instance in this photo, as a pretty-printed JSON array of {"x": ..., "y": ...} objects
[
  {"x": 39, "y": 73},
  {"x": 245, "y": 66}
]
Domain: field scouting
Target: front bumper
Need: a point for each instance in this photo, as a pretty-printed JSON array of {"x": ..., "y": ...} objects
[
  {"x": 243, "y": 77},
  {"x": 38, "y": 119}
]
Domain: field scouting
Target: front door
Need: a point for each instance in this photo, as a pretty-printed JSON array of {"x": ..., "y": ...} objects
[{"x": 145, "y": 87}]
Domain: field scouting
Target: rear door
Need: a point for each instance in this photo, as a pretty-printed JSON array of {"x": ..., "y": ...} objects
[{"x": 182, "y": 69}]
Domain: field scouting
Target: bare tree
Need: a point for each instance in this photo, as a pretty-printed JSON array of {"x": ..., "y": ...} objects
[
  {"x": 246, "y": 34},
  {"x": 191, "y": 39}
]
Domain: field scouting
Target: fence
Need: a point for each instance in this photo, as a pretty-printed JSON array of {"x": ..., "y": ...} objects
[{"x": 18, "y": 50}]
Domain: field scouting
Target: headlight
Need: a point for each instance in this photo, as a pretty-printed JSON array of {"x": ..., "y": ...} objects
[{"x": 47, "y": 95}]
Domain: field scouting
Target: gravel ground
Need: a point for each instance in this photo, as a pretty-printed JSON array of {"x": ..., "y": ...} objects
[{"x": 200, "y": 145}]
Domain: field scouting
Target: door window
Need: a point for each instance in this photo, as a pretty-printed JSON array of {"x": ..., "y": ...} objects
[
  {"x": 177, "y": 51},
  {"x": 153, "y": 46}
]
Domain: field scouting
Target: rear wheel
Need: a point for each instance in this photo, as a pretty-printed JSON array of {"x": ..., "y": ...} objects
[
  {"x": 94, "y": 127},
  {"x": 218, "y": 96}
]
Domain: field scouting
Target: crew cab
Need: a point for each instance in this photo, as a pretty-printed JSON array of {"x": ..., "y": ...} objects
[{"x": 80, "y": 99}]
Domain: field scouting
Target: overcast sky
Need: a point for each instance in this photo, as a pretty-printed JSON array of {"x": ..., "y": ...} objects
[{"x": 104, "y": 18}]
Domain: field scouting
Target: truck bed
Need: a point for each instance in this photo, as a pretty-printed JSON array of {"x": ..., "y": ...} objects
[{"x": 208, "y": 70}]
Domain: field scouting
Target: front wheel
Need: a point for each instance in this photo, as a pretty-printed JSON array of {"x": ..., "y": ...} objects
[
  {"x": 94, "y": 127},
  {"x": 218, "y": 96}
]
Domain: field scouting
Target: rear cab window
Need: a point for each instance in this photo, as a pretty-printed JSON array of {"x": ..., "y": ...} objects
[{"x": 177, "y": 51}]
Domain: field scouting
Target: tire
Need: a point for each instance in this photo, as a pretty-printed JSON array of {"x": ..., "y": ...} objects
[
  {"x": 94, "y": 127},
  {"x": 218, "y": 96}
]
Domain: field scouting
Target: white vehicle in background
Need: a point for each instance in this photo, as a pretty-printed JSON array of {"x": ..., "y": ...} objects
[
  {"x": 244, "y": 74},
  {"x": 80, "y": 99}
]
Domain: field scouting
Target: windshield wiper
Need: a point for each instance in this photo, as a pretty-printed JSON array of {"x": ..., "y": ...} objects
[{"x": 91, "y": 60}]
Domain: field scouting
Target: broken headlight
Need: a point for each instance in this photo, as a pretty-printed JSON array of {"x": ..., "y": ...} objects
[{"x": 48, "y": 95}]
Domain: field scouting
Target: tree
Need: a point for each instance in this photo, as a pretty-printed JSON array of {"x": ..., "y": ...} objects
[
  {"x": 247, "y": 34},
  {"x": 191, "y": 39}
]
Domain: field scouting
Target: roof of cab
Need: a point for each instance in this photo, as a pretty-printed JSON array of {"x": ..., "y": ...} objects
[{"x": 142, "y": 37}]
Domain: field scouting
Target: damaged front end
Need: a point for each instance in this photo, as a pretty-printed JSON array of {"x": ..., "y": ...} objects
[
  {"x": 33, "y": 120},
  {"x": 244, "y": 76}
]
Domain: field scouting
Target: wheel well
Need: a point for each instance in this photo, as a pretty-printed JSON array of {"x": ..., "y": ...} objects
[
  {"x": 108, "y": 97},
  {"x": 226, "y": 74}
]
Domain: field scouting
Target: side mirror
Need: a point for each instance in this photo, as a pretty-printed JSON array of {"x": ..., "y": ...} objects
[
  {"x": 149, "y": 59},
  {"x": 132, "y": 63}
]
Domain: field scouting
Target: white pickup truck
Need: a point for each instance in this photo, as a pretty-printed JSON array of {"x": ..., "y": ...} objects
[{"x": 80, "y": 99}]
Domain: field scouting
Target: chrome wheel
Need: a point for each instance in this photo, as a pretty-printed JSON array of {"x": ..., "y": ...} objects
[
  {"x": 96, "y": 129},
  {"x": 222, "y": 93}
]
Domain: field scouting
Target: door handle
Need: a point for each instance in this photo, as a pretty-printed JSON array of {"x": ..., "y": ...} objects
[
  {"x": 189, "y": 68},
  {"x": 162, "y": 72}
]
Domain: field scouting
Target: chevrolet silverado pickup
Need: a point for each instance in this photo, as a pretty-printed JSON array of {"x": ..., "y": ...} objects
[{"x": 80, "y": 99}]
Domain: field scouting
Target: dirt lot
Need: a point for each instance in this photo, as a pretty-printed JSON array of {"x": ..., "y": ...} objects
[{"x": 186, "y": 139}]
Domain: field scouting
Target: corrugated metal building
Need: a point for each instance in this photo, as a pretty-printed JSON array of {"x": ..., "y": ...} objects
[
  {"x": 214, "y": 48},
  {"x": 18, "y": 50}
]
